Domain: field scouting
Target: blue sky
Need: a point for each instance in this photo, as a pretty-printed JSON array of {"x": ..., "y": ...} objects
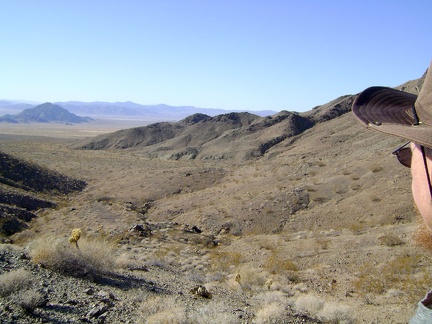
[{"x": 237, "y": 54}]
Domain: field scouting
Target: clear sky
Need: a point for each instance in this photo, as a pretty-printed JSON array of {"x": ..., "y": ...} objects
[{"x": 229, "y": 54}]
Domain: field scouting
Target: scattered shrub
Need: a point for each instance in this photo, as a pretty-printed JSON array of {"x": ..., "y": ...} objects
[
  {"x": 275, "y": 264},
  {"x": 403, "y": 272},
  {"x": 336, "y": 313},
  {"x": 29, "y": 300},
  {"x": 14, "y": 281},
  {"x": 270, "y": 313},
  {"x": 217, "y": 313},
  {"x": 327, "y": 312},
  {"x": 271, "y": 306},
  {"x": 251, "y": 279},
  {"x": 162, "y": 310},
  {"x": 308, "y": 304},
  {"x": 390, "y": 240},
  {"x": 94, "y": 256},
  {"x": 224, "y": 260}
]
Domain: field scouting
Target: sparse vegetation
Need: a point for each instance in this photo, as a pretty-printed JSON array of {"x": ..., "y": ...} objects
[
  {"x": 276, "y": 264},
  {"x": 93, "y": 258},
  {"x": 14, "y": 281},
  {"x": 403, "y": 272},
  {"x": 283, "y": 237},
  {"x": 162, "y": 310},
  {"x": 30, "y": 299}
]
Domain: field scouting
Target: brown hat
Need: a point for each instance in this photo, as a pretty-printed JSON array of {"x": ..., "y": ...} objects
[{"x": 398, "y": 113}]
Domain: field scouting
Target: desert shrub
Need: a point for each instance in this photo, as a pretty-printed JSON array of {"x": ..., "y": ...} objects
[
  {"x": 308, "y": 304},
  {"x": 376, "y": 168},
  {"x": 224, "y": 260},
  {"x": 9, "y": 248},
  {"x": 357, "y": 228},
  {"x": 275, "y": 264},
  {"x": 217, "y": 313},
  {"x": 29, "y": 300},
  {"x": 163, "y": 310},
  {"x": 14, "y": 281},
  {"x": 271, "y": 307},
  {"x": 93, "y": 257},
  {"x": 336, "y": 313},
  {"x": 270, "y": 313},
  {"x": 251, "y": 279},
  {"x": 327, "y": 312},
  {"x": 129, "y": 262},
  {"x": 390, "y": 240},
  {"x": 403, "y": 272}
]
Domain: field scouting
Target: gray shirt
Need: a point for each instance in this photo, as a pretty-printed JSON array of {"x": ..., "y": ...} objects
[{"x": 423, "y": 314}]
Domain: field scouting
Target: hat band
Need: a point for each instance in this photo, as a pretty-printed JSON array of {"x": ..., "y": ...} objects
[{"x": 415, "y": 116}]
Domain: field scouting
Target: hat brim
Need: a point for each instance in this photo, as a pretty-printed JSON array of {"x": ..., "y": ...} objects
[{"x": 391, "y": 111}]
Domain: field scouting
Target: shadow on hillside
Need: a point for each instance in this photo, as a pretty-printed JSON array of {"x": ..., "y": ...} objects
[{"x": 125, "y": 282}]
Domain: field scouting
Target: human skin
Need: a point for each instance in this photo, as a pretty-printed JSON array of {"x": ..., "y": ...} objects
[{"x": 420, "y": 187}]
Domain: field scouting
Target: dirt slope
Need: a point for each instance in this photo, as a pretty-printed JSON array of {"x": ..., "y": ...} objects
[{"x": 26, "y": 188}]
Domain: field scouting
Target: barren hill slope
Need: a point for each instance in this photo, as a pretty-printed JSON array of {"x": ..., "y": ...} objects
[
  {"x": 25, "y": 188},
  {"x": 315, "y": 169},
  {"x": 239, "y": 136}
]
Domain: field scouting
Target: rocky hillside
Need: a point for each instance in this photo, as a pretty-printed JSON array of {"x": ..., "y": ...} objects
[
  {"x": 26, "y": 188},
  {"x": 233, "y": 136},
  {"x": 240, "y": 136},
  {"x": 44, "y": 113}
]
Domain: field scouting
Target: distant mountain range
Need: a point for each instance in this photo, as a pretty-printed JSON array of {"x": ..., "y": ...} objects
[
  {"x": 128, "y": 109},
  {"x": 45, "y": 113}
]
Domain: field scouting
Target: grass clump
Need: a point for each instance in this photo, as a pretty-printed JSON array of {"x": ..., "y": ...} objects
[
  {"x": 275, "y": 264},
  {"x": 92, "y": 258},
  {"x": 14, "y": 281},
  {"x": 336, "y": 313},
  {"x": 29, "y": 300},
  {"x": 251, "y": 279},
  {"x": 224, "y": 260},
  {"x": 271, "y": 307},
  {"x": 327, "y": 312},
  {"x": 162, "y": 310}
]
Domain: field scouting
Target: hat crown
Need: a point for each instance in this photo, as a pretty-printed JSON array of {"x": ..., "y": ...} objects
[{"x": 423, "y": 104}]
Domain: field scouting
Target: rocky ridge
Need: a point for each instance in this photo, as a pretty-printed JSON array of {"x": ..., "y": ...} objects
[{"x": 233, "y": 136}]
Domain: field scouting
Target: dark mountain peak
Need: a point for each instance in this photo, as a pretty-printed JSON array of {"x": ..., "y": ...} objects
[
  {"x": 195, "y": 118},
  {"x": 48, "y": 106},
  {"x": 46, "y": 112},
  {"x": 243, "y": 118}
]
